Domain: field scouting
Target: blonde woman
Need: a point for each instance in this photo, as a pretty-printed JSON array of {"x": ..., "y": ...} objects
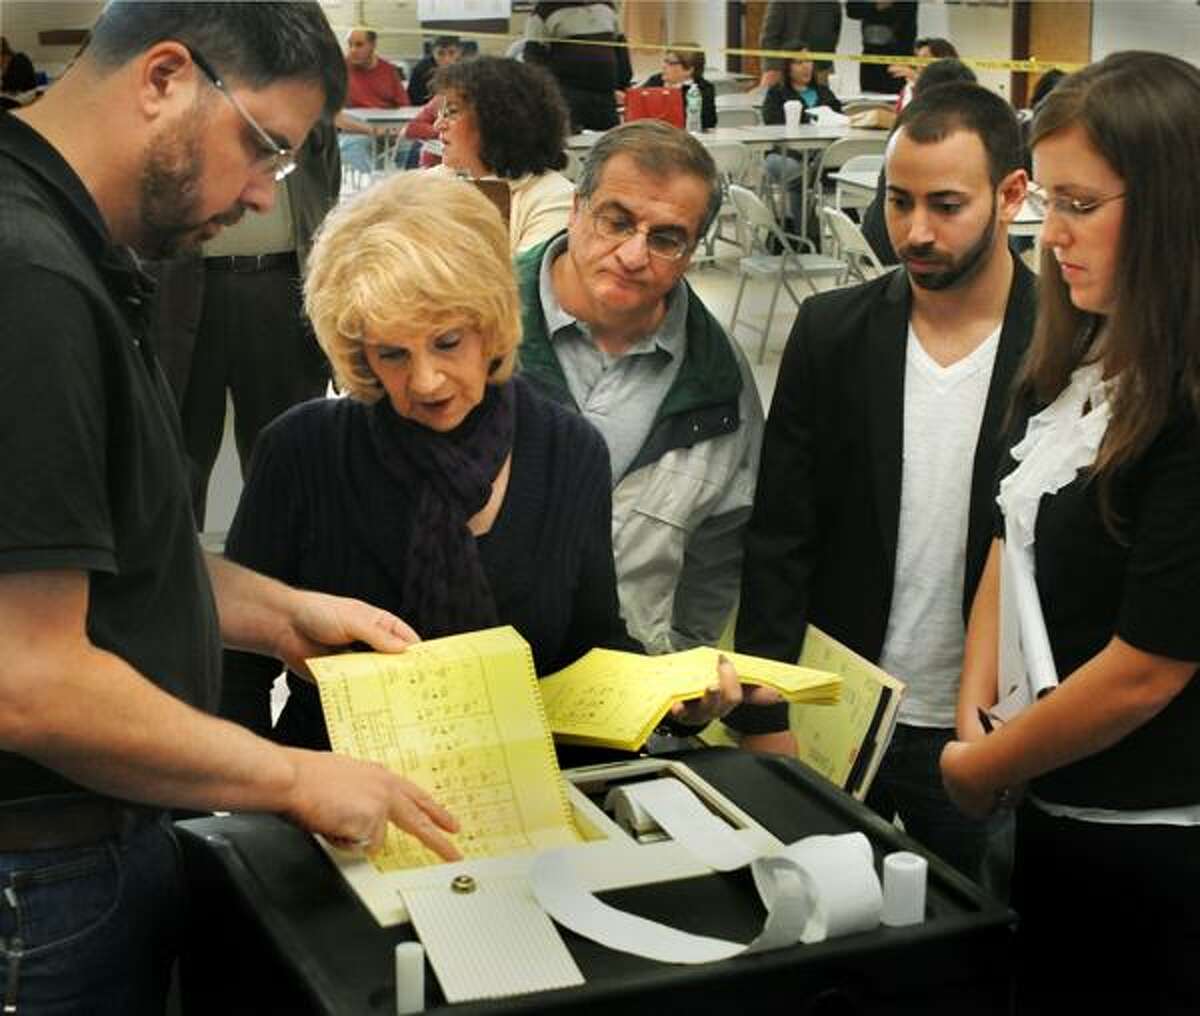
[{"x": 441, "y": 487}]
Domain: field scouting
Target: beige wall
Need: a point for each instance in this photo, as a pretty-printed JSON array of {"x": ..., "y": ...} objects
[{"x": 21, "y": 20}]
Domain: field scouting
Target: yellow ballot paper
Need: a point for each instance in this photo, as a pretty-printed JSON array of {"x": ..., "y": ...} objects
[
  {"x": 460, "y": 717},
  {"x": 615, "y": 699},
  {"x": 846, "y": 742}
]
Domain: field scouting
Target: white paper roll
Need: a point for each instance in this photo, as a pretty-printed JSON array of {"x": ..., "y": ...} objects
[
  {"x": 846, "y": 892},
  {"x": 410, "y": 978},
  {"x": 904, "y": 877}
]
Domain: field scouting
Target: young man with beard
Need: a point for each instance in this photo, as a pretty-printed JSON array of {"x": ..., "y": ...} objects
[
  {"x": 175, "y": 120},
  {"x": 872, "y": 517}
]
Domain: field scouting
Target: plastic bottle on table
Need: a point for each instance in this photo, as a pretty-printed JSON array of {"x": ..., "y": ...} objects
[{"x": 692, "y": 101}]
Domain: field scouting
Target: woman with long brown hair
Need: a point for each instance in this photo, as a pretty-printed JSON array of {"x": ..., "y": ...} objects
[{"x": 1101, "y": 518}]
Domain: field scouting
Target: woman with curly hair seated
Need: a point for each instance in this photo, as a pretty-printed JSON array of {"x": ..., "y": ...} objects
[{"x": 501, "y": 119}]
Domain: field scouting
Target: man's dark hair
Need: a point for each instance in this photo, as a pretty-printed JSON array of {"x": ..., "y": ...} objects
[
  {"x": 938, "y": 112},
  {"x": 1046, "y": 84},
  {"x": 520, "y": 113},
  {"x": 446, "y": 41},
  {"x": 254, "y": 44},
  {"x": 941, "y": 48},
  {"x": 942, "y": 72},
  {"x": 656, "y": 148}
]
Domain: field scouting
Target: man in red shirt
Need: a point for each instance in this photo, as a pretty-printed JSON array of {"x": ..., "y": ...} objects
[{"x": 374, "y": 82}]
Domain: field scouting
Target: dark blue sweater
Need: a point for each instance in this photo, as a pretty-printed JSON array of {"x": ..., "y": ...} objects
[{"x": 320, "y": 512}]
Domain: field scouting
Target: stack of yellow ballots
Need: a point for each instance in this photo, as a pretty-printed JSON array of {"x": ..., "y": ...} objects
[{"x": 614, "y": 699}]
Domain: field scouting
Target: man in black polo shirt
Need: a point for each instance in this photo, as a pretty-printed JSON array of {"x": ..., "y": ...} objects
[{"x": 176, "y": 120}]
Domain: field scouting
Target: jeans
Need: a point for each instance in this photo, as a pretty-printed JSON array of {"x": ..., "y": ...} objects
[
  {"x": 909, "y": 784},
  {"x": 92, "y": 929},
  {"x": 788, "y": 172}
]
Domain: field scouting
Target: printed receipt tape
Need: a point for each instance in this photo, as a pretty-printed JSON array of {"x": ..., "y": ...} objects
[
  {"x": 844, "y": 889},
  {"x": 671, "y": 806},
  {"x": 819, "y": 887}
]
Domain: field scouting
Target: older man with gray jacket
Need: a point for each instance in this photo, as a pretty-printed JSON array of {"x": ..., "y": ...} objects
[{"x": 612, "y": 329}]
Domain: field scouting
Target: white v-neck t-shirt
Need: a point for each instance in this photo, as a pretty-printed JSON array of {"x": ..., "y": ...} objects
[{"x": 943, "y": 409}]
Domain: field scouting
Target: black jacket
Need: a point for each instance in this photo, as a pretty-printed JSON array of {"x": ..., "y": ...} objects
[
  {"x": 821, "y": 545},
  {"x": 891, "y": 31}
]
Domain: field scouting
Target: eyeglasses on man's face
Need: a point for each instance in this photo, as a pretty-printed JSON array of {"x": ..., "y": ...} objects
[
  {"x": 1041, "y": 201},
  {"x": 275, "y": 159},
  {"x": 669, "y": 243}
]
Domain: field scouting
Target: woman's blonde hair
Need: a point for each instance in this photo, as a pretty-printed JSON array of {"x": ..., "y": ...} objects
[{"x": 416, "y": 252}]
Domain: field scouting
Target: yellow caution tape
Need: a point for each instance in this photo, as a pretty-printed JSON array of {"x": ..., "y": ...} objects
[{"x": 1032, "y": 65}]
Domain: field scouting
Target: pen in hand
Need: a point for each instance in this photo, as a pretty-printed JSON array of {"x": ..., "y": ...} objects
[{"x": 985, "y": 720}]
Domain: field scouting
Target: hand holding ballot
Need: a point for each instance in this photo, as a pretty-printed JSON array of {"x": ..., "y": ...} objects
[{"x": 722, "y": 697}]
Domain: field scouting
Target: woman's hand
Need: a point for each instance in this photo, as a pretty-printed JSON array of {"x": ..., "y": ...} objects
[{"x": 972, "y": 793}]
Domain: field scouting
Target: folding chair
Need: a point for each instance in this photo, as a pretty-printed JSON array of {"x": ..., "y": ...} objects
[
  {"x": 738, "y": 117},
  {"x": 574, "y": 167},
  {"x": 733, "y": 161},
  {"x": 851, "y": 247},
  {"x": 850, "y": 198},
  {"x": 835, "y": 157},
  {"x": 761, "y": 222}
]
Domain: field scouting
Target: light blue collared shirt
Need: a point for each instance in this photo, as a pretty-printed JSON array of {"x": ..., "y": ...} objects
[{"x": 620, "y": 395}]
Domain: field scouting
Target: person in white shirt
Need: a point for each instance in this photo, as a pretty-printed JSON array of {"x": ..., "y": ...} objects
[
  {"x": 502, "y": 120},
  {"x": 1100, "y": 498},
  {"x": 873, "y": 511}
]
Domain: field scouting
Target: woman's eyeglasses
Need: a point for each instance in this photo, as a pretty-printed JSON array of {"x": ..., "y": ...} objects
[
  {"x": 279, "y": 161},
  {"x": 1040, "y": 201}
]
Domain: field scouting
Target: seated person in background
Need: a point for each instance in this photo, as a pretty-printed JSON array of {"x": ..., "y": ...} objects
[
  {"x": 937, "y": 49},
  {"x": 613, "y": 331},
  {"x": 798, "y": 84},
  {"x": 446, "y": 489},
  {"x": 16, "y": 71},
  {"x": 588, "y": 74},
  {"x": 446, "y": 49},
  {"x": 501, "y": 118},
  {"x": 423, "y": 128},
  {"x": 684, "y": 68},
  {"x": 374, "y": 83},
  {"x": 874, "y": 228}
]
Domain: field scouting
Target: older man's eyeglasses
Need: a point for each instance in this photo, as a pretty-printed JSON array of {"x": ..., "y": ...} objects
[
  {"x": 668, "y": 243},
  {"x": 1041, "y": 201},
  {"x": 276, "y": 159}
]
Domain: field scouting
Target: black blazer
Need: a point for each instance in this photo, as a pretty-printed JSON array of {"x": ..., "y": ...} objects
[{"x": 821, "y": 544}]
